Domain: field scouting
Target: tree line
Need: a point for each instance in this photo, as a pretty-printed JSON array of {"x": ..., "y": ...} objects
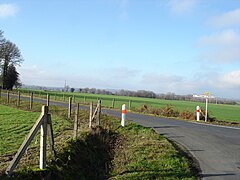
[
  {"x": 151, "y": 94},
  {"x": 10, "y": 57}
]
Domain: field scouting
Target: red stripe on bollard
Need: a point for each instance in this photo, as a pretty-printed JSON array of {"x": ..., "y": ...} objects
[{"x": 124, "y": 111}]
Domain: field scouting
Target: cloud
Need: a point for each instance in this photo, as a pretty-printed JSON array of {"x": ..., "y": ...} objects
[
  {"x": 216, "y": 83},
  {"x": 221, "y": 47},
  {"x": 228, "y": 19},
  {"x": 124, "y": 73},
  {"x": 182, "y": 6},
  {"x": 232, "y": 79},
  {"x": 162, "y": 82},
  {"x": 34, "y": 75},
  {"x": 7, "y": 10}
]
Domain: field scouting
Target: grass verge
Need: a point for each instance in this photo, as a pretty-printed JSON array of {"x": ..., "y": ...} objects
[{"x": 106, "y": 152}]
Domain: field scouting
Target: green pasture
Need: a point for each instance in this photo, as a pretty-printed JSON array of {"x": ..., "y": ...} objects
[
  {"x": 222, "y": 112},
  {"x": 14, "y": 126}
]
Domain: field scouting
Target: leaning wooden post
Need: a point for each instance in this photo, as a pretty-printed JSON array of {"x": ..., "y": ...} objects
[
  {"x": 43, "y": 139},
  {"x": 26, "y": 143},
  {"x": 76, "y": 121},
  {"x": 69, "y": 107},
  {"x": 91, "y": 114},
  {"x": 99, "y": 113},
  {"x": 8, "y": 97},
  {"x": 18, "y": 100},
  {"x": 48, "y": 99},
  {"x": 31, "y": 100},
  {"x": 113, "y": 103}
]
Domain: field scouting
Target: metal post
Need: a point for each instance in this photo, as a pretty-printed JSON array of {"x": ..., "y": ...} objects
[{"x": 206, "y": 111}]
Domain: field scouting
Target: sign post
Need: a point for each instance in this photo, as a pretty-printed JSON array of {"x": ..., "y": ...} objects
[{"x": 207, "y": 96}]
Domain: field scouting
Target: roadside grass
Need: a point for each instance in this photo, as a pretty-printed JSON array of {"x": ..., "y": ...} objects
[
  {"x": 228, "y": 113},
  {"x": 106, "y": 152}
]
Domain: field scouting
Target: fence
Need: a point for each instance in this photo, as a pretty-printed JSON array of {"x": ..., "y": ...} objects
[
  {"x": 107, "y": 102},
  {"x": 44, "y": 123}
]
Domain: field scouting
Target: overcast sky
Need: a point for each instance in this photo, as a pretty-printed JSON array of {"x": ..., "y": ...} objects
[{"x": 180, "y": 46}]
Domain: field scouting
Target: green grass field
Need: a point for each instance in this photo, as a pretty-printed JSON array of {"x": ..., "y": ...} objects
[
  {"x": 221, "y": 112},
  {"x": 131, "y": 152}
]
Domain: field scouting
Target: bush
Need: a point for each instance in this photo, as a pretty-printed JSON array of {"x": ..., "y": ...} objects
[
  {"x": 144, "y": 109},
  {"x": 155, "y": 111},
  {"x": 169, "y": 111},
  {"x": 186, "y": 114}
]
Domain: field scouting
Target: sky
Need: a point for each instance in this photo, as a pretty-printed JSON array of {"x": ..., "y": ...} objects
[{"x": 178, "y": 46}]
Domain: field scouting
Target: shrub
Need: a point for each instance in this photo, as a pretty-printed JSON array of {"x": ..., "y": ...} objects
[
  {"x": 186, "y": 114},
  {"x": 169, "y": 111}
]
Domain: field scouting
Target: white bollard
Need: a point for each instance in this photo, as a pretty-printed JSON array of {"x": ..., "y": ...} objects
[
  {"x": 198, "y": 110},
  {"x": 124, "y": 112}
]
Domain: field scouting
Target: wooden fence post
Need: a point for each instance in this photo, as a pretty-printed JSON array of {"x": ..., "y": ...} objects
[
  {"x": 8, "y": 99},
  {"x": 113, "y": 103},
  {"x": 43, "y": 139},
  {"x": 130, "y": 103},
  {"x": 91, "y": 114},
  {"x": 48, "y": 99},
  {"x": 69, "y": 107},
  {"x": 76, "y": 121},
  {"x": 18, "y": 100},
  {"x": 31, "y": 100},
  {"x": 40, "y": 123},
  {"x": 98, "y": 113}
]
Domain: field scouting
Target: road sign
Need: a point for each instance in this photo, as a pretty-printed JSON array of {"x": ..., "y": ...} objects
[{"x": 206, "y": 96}]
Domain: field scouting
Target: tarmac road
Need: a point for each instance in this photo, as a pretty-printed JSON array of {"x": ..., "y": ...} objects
[{"x": 216, "y": 148}]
